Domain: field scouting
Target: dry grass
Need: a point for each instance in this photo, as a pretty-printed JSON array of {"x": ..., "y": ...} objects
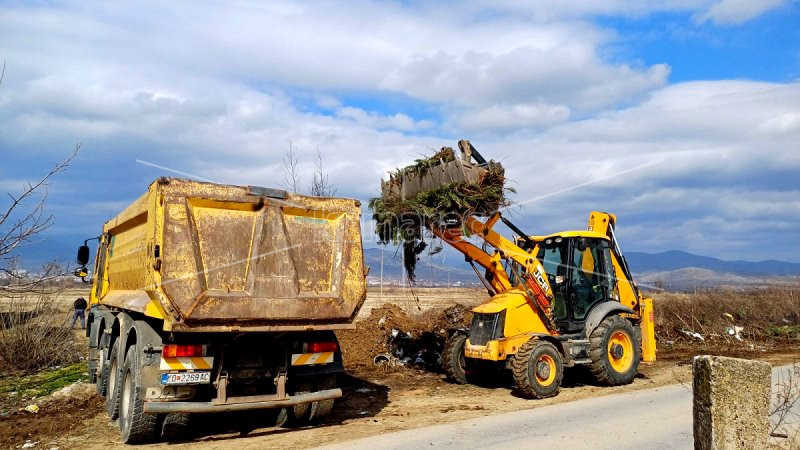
[
  {"x": 770, "y": 320},
  {"x": 35, "y": 333}
]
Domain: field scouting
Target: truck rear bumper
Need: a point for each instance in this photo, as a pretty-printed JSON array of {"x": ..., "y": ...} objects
[{"x": 152, "y": 407}]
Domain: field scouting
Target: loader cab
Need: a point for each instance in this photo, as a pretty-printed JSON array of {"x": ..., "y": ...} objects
[{"x": 580, "y": 272}]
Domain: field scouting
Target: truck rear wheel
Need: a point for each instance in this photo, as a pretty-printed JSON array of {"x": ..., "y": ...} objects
[
  {"x": 321, "y": 409},
  {"x": 538, "y": 369},
  {"x": 454, "y": 363},
  {"x": 112, "y": 370},
  {"x": 134, "y": 424},
  {"x": 296, "y": 415},
  {"x": 176, "y": 425},
  {"x": 615, "y": 351},
  {"x": 101, "y": 375}
]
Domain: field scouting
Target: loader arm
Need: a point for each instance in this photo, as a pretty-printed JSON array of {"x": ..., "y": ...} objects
[{"x": 530, "y": 273}]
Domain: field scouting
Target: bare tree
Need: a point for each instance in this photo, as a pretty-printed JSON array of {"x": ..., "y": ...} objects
[
  {"x": 291, "y": 178},
  {"x": 320, "y": 183},
  {"x": 21, "y": 221}
]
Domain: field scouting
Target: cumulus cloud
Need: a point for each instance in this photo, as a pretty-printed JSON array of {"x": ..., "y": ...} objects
[
  {"x": 735, "y": 12},
  {"x": 531, "y": 85}
]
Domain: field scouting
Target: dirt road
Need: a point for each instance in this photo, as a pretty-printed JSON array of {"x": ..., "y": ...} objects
[
  {"x": 652, "y": 418},
  {"x": 395, "y": 401}
]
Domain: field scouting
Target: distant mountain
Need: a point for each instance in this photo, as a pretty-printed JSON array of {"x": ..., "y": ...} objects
[
  {"x": 34, "y": 255},
  {"x": 676, "y": 269},
  {"x": 675, "y": 259},
  {"x": 436, "y": 269}
]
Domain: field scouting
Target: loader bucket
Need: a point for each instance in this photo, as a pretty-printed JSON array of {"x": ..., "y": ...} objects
[{"x": 408, "y": 183}]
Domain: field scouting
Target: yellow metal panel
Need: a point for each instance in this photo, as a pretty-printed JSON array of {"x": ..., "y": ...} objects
[
  {"x": 624, "y": 289},
  {"x": 227, "y": 259},
  {"x": 648, "y": 331}
]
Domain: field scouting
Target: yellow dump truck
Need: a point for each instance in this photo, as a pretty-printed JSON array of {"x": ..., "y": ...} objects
[{"x": 209, "y": 297}]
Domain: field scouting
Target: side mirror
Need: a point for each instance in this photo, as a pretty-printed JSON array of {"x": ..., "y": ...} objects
[{"x": 83, "y": 255}]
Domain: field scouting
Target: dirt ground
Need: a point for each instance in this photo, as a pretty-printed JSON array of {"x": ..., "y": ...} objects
[{"x": 377, "y": 399}]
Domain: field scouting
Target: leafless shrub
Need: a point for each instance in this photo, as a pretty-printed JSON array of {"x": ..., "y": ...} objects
[
  {"x": 784, "y": 412},
  {"x": 291, "y": 177},
  {"x": 34, "y": 334},
  {"x": 320, "y": 183},
  {"x": 21, "y": 221}
]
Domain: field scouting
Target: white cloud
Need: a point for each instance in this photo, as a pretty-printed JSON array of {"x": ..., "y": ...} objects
[
  {"x": 735, "y": 12},
  {"x": 513, "y": 117},
  {"x": 530, "y": 86}
]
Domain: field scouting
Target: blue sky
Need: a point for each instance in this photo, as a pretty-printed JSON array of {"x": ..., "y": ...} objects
[{"x": 703, "y": 95}]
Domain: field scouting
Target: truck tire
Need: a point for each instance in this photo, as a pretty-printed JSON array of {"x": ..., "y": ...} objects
[
  {"x": 296, "y": 415},
  {"x": 454, "y": 363},
  {"x": 100, "y": 374},
  {"x": 615, "y": 351},
  {"x": 176, "y": 425},
  {"x": 321, "y": 409},
  {"x": 134, "y": 425},
  {"x": 112, "y": 374},
  {"x": 538, "y": 369}
]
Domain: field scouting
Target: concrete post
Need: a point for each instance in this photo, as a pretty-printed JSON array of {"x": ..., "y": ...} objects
[{"x": 731, "y": 403}]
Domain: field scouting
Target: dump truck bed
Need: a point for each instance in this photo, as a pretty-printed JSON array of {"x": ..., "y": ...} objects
[{"x": 210, "y": 257}]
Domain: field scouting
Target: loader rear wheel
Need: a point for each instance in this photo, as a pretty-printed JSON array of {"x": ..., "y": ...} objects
[
  {"x": 454, "y": 363},
  {"x": 615, "y": 351},
  {"x": 135, "y": 425},
  {"x": 538, "y": 369}
]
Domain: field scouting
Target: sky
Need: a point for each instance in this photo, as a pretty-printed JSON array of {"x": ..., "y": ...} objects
[{"x": 680, "y": 116}]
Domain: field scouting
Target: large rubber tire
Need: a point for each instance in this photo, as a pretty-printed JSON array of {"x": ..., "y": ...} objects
[
  {"x": 321, "y": 409},
  {"x": 176, "y": 426},
  {"x": 135, "y": 425},
  {"x": 297, "y": 415},
  {"x": 112, "y": 377},
  {"x": 101, "y": 376},
  {"x": 454, "y": 363},
  {"x": 538, "y": 369},
  {"x": 615, "y": 351}
]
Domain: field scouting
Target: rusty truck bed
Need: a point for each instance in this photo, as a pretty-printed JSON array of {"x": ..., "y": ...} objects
[{"x": 209, "y": 257}]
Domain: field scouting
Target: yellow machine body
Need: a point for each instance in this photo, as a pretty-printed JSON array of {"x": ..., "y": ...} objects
[
  {"x": 525, "y": 318},
  {"x": 210, "y": 257}
]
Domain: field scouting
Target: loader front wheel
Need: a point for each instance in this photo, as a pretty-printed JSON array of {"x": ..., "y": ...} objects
[
  {"x": 538, "y": 369},
  {"x": 615, "y": 351},
  {"x": 454, "y": 363}
]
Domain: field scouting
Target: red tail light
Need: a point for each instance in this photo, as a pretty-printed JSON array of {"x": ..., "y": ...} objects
[
  {"x": 321, "y": 347},
  {"x": 174, "y": 351}
]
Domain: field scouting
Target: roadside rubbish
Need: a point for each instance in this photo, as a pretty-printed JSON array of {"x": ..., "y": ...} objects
[
  {"x": 29, "y": 444},
  {"x": 406, "y": 349},
  {"x": 734, "y": 331},
  {"x": 33, "y": 409},
  {"x": 693, "y": 334}
]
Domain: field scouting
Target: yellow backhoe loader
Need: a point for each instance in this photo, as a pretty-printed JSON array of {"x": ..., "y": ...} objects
[{"x": 556, "y": 301}]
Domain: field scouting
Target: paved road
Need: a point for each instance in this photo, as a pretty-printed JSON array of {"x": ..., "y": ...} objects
[{"x": 653, "y": 418}]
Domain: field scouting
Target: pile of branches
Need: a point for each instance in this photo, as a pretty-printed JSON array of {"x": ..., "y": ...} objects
[{"x": 401, "y": 221}]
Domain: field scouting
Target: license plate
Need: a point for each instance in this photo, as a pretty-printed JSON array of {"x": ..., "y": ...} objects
[{"x": 186, "y": 378}]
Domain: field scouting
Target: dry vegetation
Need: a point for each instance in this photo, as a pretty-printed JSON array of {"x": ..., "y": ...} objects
[
  {"x": 769, "y": 319},
  {"x": 35, "y": 334}
]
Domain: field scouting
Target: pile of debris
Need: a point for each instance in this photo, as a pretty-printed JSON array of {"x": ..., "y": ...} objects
[
  {"x": 391, "y": 338},
  {"x": 436, "y": 189}
]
